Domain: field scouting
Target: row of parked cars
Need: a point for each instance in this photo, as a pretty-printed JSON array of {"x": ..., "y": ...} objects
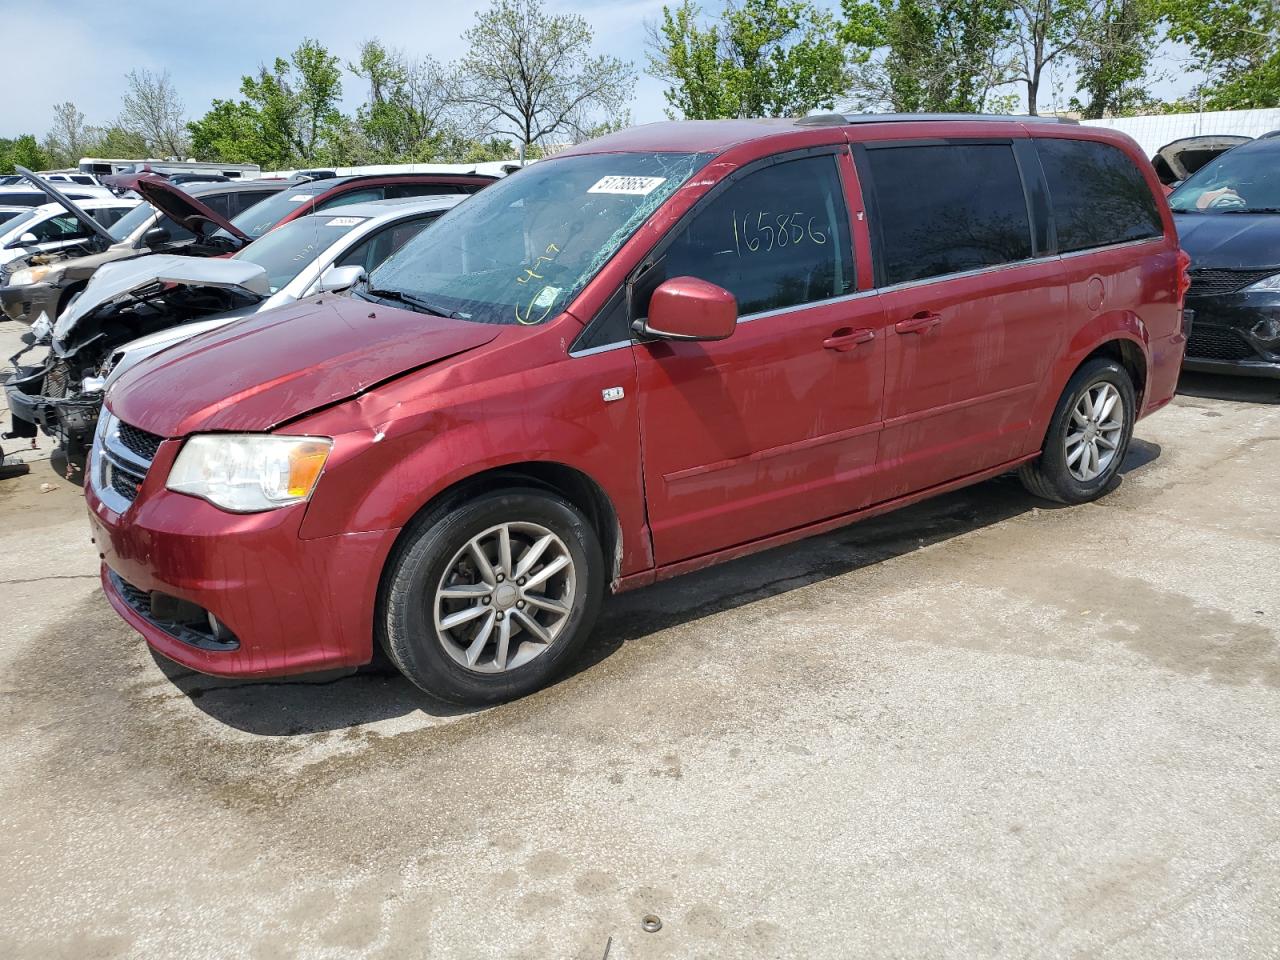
[
  {"x": 445, "y": 428},
  {"x": 123, "y": 278}
]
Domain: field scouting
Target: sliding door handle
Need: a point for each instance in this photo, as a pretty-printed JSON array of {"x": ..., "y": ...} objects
[{"x": 922, "y": 322}]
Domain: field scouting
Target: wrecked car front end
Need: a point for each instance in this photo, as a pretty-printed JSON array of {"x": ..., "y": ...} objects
[{"x": 62, "y": 395}]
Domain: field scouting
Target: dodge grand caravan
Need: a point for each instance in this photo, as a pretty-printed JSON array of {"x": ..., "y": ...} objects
[{"x": 665, "y": 348}]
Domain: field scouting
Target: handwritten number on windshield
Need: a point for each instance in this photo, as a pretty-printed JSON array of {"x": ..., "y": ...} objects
[{"x": 761, "y": 230}]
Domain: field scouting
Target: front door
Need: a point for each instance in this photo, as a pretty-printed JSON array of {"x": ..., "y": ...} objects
[{"x": 777, "y": 426}]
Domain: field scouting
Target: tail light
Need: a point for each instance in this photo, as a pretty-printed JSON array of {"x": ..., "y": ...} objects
[{"x": 1184, "y": 274}]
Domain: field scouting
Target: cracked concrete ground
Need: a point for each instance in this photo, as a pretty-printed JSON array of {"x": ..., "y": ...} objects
[{"x": 977, "y": 728}]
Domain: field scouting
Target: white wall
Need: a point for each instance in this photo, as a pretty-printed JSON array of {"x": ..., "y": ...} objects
[{"x": 1152, "y": 133}]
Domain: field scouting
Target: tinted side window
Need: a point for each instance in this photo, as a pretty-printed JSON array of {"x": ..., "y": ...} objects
[
  {"x": 776, "y": 238},
  {"x": 242, "y": 200},
  {"x": 947, "y": 208},
  {"x": 351, "y": 196},
  {"x": 60, "y": 228},
  {"x": 398, "y": 190},
  {"x": 219, "y": 203},
  {"x": 371, "y": 252},
  {"x": 1097, "y": 195},
  {"x": 177, "y": 234}
]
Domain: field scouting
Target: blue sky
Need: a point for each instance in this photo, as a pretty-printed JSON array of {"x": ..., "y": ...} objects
[{"x": 80, "y": 51}]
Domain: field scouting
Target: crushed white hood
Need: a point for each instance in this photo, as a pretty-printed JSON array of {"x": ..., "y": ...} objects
[{"x": 116, "y": 281}]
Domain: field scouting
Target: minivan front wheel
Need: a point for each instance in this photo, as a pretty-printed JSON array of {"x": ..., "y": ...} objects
[
  {"x": 1088, "y": 435},
  {"x": 491, "y": 600}
]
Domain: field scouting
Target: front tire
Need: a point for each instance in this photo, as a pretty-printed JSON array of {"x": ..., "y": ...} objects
[
  {"x": 492, "y": 600},
  {"x": 1088, "y": 436}
]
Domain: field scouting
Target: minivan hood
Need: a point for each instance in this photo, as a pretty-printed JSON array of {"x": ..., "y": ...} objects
[
  {"x": 184, "y": 209},
  {"x": 277, "y": 365},
  {"x": 1230, "y": 241},
  {"x": 114, "y": 282}
]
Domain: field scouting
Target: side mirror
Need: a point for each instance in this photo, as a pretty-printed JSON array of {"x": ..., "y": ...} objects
[
  {"x": 26, "y": 240},
  {"x": 686, "y": 308},
  {"x": 156, "y": 237},
  {"x": 340, "y": 278}
]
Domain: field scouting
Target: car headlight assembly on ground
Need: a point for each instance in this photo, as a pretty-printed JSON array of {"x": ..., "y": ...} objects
[
  {"x": 249, "y": 473},
  {"x": 1269, "y": 284}
]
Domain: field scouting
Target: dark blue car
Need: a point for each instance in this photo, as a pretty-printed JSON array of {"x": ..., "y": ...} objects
[{"x": 1228, "y": 216}]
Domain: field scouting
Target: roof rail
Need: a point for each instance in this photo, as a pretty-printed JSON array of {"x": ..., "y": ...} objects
[{"x": 835, "y": 119}]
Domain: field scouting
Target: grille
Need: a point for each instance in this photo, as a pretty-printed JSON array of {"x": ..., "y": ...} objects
[
  {"x": 56, "y": 379},
  {"x": 1215, "y": 343},
  {"x": 1211, "y": 283},
  {"x": 124, "y": 483},
  {"x": 138, "y": 442},
  {"x": 127, "y": 453}
]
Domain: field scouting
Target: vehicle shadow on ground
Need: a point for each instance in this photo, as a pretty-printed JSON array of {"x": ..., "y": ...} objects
[
  {"x": 290, "y": 706},
  {"x": 1215, "y": 386}
]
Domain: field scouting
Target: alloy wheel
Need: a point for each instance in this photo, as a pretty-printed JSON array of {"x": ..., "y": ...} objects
[
  {"x": 1094, "y": 432},
  {"x": 505, "y": 597}
]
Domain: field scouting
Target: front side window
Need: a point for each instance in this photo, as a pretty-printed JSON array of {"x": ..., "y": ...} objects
[
  {"x": 775, "y": 238},
  {"x": 65, "y": 227},
  {"x": 1245, "y": 179},
  {"x": 371, "y": 252},
  {"x": 948, "y": 208},
  {"x": 519, "y": 251},
  {"x": 1097, "y": 194}
]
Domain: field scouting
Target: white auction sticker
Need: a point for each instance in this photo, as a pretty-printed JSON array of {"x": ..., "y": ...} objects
[
  {"x": 546, "y": 297},
  {"x": 628, "y": 186},
  {"x": 345, "y": 221},
  {"x": 299, "y": 197}
]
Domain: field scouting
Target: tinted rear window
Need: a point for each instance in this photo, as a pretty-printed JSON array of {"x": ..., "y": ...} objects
[
  {"x": 1097, "y": 195},
  {"x": 947, "y": 208}
]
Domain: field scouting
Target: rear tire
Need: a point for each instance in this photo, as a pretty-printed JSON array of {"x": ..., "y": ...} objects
[
  {"x": 1085, "y": 445},
  {"x": 469, "y": 625}
]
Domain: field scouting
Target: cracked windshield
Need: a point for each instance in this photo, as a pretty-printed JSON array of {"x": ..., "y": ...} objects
[{"x": 519, "y": 251}]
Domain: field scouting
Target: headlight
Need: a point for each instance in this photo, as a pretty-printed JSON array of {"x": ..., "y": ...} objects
[
  {"x": 20, "y": 278},
  {"x": 248, "y": 473},
  {"x": 1269, "y": 284}
]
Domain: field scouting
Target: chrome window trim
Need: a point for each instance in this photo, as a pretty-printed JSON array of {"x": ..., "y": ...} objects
[
  {"x": 809, "y": 305},
  {"x": 603, "y": 348}
]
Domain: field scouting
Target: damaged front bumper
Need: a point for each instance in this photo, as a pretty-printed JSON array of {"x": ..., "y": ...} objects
[
  {"x": 28, "y": 302},
  {"x": 1236, "y": 333},
  {"x": 44, "y": 399}
]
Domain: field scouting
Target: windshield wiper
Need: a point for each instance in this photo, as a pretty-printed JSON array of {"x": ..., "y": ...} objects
[
  {"x": 415, "y": 303},
  {"x": 1251, "y": 210}
]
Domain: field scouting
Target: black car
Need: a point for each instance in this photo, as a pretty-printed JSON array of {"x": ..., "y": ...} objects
[{"x": 1228, "y": 216}]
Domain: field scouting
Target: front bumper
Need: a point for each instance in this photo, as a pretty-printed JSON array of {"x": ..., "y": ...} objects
[
  {"x": 282, "y": 604},
  {"x": 25, "y": 303},
  {"x": 1236, "y": 333}
]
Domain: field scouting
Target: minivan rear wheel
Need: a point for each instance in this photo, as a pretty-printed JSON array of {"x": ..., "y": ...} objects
[
  {"x": 1088, "y": 435},
  {"x": 491, "y": 600}
]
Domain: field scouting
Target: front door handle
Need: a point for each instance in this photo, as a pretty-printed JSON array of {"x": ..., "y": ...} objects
[
  {"x": 846, "y": 339},
  {"x": 922, "y": 322}
]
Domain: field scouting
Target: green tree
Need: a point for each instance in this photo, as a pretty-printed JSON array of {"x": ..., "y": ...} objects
[
  {"x": 1112, "y": 59},
  {"x": 407, "y": 113},
  {"x": 773, "y": 58},
  {"x": 68, "y": 139},
  {"x": 531, "y": 76},
  {"x": 24, "y": 150},
  {"x": 152, "y": 110},
  {"x": 115, "y": 141},
  {"x": 1049, "y": 31},
  {"x": 1235, "y": 44},
  {"x": 289, "y": 114},
  {"x": 928, "y": 55}
]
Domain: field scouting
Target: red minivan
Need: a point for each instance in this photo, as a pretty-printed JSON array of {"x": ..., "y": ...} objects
[{"x": 665, "y": 348}]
